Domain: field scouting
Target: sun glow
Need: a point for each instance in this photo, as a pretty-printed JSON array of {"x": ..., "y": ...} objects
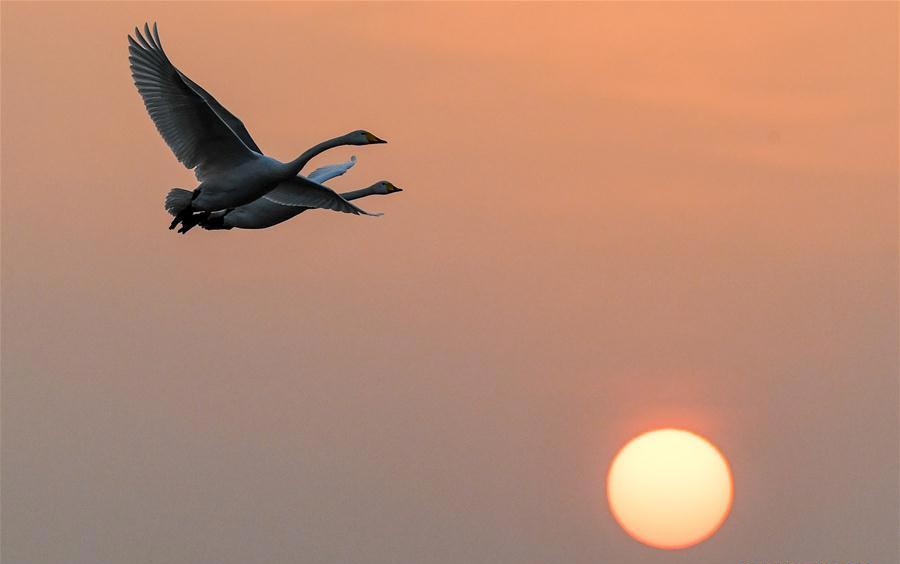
[{"x": 670, "y": 488}]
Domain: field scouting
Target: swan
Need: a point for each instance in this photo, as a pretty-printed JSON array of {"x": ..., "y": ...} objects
[
  {"x": 206, "y": 137},
  {"x": 264, "y": 212}
]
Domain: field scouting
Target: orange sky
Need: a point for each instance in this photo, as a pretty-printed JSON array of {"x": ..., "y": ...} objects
[{"x": 615, "y": 217}]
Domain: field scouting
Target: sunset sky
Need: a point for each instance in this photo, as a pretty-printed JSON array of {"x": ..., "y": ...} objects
[{"x": 615, "y": 218}]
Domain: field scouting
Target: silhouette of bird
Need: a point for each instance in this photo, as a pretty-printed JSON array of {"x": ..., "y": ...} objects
[{"x": 208, "y": 138}]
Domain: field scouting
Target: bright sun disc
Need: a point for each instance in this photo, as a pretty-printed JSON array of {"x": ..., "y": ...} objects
[{"x": 670, "y": 488}]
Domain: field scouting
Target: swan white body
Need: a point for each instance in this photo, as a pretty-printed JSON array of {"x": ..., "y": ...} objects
[
  {"x": 208, "y": 138},
  {"x": 240, "y": 184}
]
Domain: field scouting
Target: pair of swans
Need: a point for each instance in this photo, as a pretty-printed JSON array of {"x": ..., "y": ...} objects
[
  {"x": 232, "y": 170},
  {"x": 264, "y": 212}
]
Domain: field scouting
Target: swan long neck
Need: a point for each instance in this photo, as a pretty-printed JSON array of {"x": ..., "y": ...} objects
[
  {"x": 362, "y": 193},
  {"x": 297, "y": 164}
]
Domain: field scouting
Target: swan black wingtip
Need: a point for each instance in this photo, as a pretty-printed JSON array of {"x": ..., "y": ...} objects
[
  {"x": 150, "y": 38},
  {"x": 156, "y": 36},
  {"x": 145, "y": 43}
]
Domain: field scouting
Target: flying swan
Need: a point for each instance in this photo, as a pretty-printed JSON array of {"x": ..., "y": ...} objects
[{"x": 208, "y": 138}]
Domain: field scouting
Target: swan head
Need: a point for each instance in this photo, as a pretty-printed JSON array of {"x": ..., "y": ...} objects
[
  {"x": 384, "y": 187},
  {"x": 363, "y": 137}
]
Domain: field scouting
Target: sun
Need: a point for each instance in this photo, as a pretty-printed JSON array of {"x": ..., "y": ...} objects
[{"x": 670, "y": 488}]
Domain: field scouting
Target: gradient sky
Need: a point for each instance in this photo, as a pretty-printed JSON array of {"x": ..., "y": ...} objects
[{"x": 615, "y": 218}]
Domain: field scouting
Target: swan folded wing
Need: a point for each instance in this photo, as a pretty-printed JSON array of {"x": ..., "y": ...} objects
[
  {"x": 196, "y": 134},
  {"x": 304, "y": 193},
  {"x": 328, "y": 172}
]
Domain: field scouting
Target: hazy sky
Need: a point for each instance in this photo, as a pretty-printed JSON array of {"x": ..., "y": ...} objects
[{"x": 615, "y": 218}]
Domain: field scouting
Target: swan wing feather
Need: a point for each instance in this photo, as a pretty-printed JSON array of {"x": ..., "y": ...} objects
[
  {"x": 302, "y": 192},
  {"x": 229, "y": 118},
  {"x": 322, "y": 174},
  {"x": 199, "y": 138}
]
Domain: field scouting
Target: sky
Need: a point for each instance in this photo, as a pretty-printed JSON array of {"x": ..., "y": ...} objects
[{"x": 615, "y": 218}]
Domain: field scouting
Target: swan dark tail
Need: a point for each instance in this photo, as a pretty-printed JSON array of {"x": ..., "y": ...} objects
[
  {"x": 178, "y": 200},
  {"x": 178, "y": 204}
]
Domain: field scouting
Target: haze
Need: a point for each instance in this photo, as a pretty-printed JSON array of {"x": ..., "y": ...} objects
[{"x": 615, "y": 218}]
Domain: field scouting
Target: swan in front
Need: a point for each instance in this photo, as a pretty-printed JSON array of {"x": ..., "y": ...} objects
[{"x": 206, "y": 137}]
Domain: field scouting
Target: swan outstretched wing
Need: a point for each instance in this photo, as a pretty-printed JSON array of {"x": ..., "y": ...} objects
[
  {"x": 304, "y": 193},
  {"x": 328, "y": 172},
  {"x": 189, "y": 125},
  {"x": 229, "y": 118}
]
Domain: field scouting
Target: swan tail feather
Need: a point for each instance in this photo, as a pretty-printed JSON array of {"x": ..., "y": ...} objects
[{"x": 178, "y": 200}]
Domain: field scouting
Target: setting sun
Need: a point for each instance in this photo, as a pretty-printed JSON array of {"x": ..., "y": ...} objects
[{"x": 670, "y": 488}]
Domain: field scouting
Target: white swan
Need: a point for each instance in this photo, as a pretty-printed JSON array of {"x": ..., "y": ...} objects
[
  {"x": 208, "y": 138},
  {"x": 265, "y": 212}
]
